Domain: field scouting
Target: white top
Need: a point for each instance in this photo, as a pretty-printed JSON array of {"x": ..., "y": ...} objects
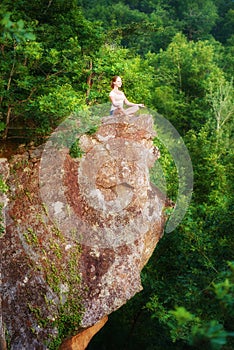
[{"x": 118, "y": 98}]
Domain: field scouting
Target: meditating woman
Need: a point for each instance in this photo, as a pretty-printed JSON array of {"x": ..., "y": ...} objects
[{"x": 118, "y": 99}]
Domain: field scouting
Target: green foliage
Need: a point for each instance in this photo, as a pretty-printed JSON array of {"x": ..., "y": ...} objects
[
  {"x": 15, "y": 31},
  {"x": 31, "y": 237},
  {"x": 2, "y": 227},
  {"x": 164, "y": 172},
  {"x": 3, "y": 186},
  {"x": 70, "y": 308},
  {"x": 220, "y": 95},
  {"x": 194, "y": 16},
  {"x": 54, "y": 64},
  {"x": 209, "y": 334},
  {"x": 190, "y": 328},
  {"x": 75, "y": 150},
  {"x": 63, "y": 279},
  {"x": 183, "y": 73},
  {"x": 43, "y": 77},
  {"x": 69, "y": 321},
  {"x": 3, "y": 189},
  {"x": 224, "y": 289}
]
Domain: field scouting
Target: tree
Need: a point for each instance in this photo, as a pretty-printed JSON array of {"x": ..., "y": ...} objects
[
  {"x": 12, "y": 34},
  {"x": 221, "y": 99},
  {"x": 44, "y": 78},
  {"x": 224, "y": 26},
  {"x": 182, "y": 73},
  {"x": 198, "y": 17}
]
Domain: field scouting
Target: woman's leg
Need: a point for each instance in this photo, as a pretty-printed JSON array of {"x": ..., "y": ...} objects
[{"x": 131, "y": 110}]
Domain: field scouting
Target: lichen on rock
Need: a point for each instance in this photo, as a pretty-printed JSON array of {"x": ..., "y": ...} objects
[{"x": 78, "y": 231}]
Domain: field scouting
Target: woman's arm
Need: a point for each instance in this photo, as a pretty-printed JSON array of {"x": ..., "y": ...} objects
[{"x": 128, "y": 103}]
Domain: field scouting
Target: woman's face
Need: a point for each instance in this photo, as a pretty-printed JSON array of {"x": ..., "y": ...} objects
[{"x": 118, "y": 82}]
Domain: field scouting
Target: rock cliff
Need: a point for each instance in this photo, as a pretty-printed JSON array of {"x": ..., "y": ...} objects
[{"x": 78, "y": 232}]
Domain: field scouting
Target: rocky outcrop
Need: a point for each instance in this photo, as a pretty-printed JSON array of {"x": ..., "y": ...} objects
[{"x": 78, "y": 232}]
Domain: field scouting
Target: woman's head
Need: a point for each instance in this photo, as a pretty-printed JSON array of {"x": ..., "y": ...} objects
[{"x": 116, "y": 80}]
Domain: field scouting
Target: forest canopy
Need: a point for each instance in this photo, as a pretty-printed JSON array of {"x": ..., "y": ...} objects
[{"x": 58, "y": 57}]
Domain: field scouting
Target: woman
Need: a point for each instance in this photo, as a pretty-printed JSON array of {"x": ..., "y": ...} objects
[{"x": 118, "y": 99}]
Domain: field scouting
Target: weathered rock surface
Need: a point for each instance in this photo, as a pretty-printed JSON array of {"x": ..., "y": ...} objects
[
  {"x": 78, "y": 232},
  {"x": 81, "y": 340}
]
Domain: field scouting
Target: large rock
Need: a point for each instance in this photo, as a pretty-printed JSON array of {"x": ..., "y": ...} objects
[{"x": 78, "y": 232}]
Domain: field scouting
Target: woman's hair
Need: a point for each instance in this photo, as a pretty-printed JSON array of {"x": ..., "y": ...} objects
[{"x": 114, "y": 80}]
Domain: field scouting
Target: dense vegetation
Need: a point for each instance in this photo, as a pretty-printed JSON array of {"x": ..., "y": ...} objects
[{"x": 58, "y": 57}]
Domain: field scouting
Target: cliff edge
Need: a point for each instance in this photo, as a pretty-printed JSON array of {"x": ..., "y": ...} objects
[{"x": 76, "y": 233}]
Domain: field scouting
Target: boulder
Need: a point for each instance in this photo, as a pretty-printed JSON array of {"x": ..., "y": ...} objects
[{"x": 78, "y": 233}]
